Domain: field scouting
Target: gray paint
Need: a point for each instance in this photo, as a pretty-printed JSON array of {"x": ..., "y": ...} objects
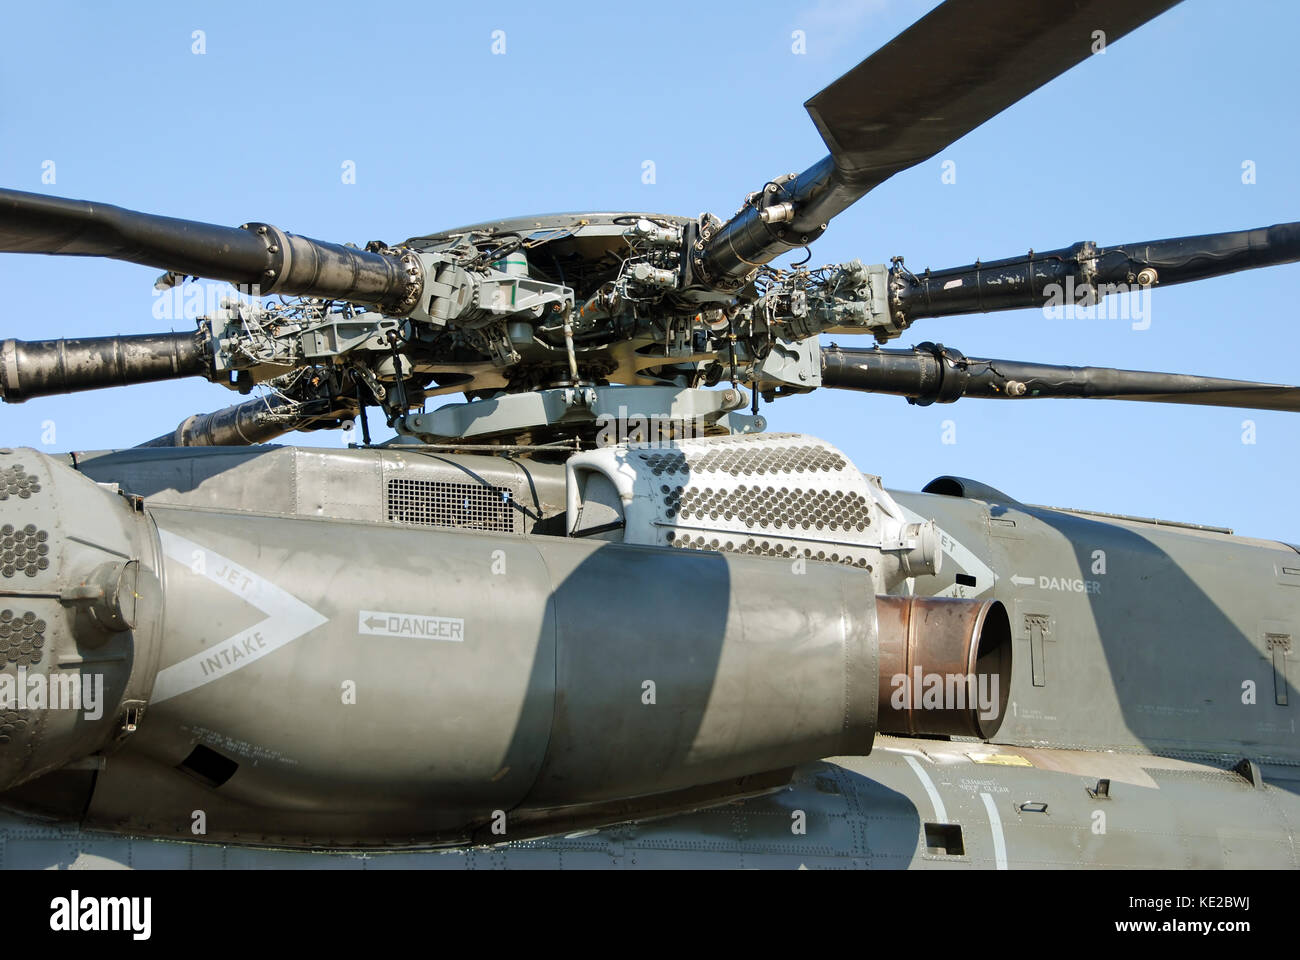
[{"x": 429, "y": 762}]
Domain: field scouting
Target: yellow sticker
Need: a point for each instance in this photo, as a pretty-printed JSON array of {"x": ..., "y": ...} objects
[{"x": 1000, "y": 759}]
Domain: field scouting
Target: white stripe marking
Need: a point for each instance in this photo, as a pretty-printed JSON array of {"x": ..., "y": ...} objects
[
  {"x": 288, "y": 618},
  {"x": 999, "y": 841},
  {"x": 940, "y": 812}
]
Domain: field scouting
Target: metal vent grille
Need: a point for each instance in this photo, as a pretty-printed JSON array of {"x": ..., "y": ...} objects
[{"x": 440, "y": 503}]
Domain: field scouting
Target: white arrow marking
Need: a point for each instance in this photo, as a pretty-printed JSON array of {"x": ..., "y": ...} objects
[
  {"x": 1022, "y": 581},
  {"x": 386, "y": 623},
  {"x": 287, "y": 619}
]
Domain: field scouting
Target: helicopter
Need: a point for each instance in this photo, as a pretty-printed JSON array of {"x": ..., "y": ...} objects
[{"x": 595, "y": 604}]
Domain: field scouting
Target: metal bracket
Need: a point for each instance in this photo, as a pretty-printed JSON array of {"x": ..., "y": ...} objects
[
  {"x": 594, "y": 406},
  {"x": 132, "y": 714}
]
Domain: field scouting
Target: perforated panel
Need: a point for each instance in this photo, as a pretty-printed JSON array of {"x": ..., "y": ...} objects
[
  {"x": 23, "y": 550},
  {"x": 22, "y": 635},
  {"x": 816, "y": 505},
  {"x": 756, "y": 461},
  {"x": 791, "y": 507},
  {"x": 774, "y": 495},
  {"x": 440, "y": 503}
]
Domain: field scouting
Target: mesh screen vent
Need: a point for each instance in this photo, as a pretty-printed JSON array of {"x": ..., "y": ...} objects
[{"x": 440, "y": 503}]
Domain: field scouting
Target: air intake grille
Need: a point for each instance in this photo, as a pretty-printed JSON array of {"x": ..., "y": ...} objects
[{"x": 439, "y": 503}]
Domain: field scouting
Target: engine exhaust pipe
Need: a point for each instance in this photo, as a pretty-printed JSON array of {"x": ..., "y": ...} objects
[{"x": 945, "y": 665}]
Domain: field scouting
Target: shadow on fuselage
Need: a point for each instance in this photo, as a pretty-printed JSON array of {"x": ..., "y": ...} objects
[
  {"x": 1156, "y": 633},
  {"x": 1187, "y": 665}
]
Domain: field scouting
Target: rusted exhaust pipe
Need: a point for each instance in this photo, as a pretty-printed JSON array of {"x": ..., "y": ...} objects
[{"x": 945, "y": 665}]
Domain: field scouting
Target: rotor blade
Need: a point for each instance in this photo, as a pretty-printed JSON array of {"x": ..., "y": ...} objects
[
  {"x": 935, "y": 82},
  {"x": 253, "y": 421},
  {"x": 1083, "y": 274},
  {"x": 933, "y": 373},
  {"x": 39, "y": 368},
  {"x": 254, "y": 255},
  {"x": 955, "y": 68}
]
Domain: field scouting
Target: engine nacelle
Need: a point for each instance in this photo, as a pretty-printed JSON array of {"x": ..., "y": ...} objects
[
  {"x": 321, "y": 682},
  {"x": 79, "y": 616}
]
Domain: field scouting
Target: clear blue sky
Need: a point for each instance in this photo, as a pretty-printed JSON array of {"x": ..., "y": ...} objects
[{"x": 1146, "y": 141}]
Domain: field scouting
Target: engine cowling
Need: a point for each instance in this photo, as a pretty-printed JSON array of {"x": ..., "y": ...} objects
[
  {"x": 79, "y": 616},
  {"x": 326, "y": 683}
]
